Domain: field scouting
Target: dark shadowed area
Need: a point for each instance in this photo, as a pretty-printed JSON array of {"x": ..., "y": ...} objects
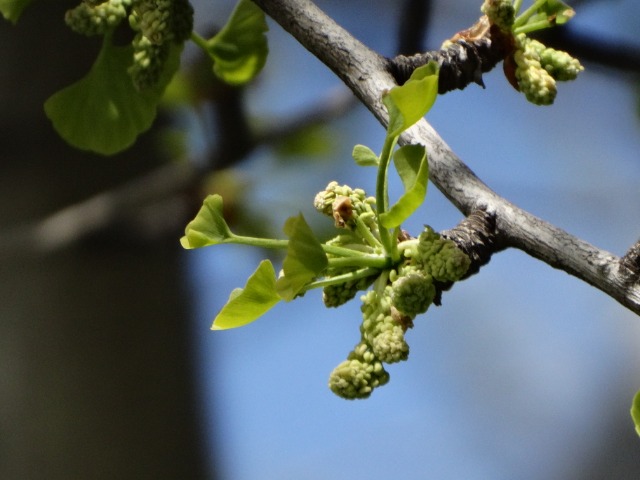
[{"x": 95, "y": 362}]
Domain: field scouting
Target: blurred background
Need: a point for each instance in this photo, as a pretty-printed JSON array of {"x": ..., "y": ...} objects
[{"x": 108, "y": 368}]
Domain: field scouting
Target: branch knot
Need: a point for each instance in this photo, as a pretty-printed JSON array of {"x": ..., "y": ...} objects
[
  {"x": 461, "y": 62},
  {"x": 631, "y": 263},
  {"x": 476, "y": 236}
]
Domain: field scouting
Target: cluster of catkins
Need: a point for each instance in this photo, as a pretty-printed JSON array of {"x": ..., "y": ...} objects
[
  {"x": 397, "y": 296},
  {"x": 538, "y": 67},
  {"x": 156, "y": 23}
]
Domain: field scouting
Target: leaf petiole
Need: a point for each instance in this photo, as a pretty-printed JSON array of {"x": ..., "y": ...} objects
[
  {"x": 345, "y": 277},
  {"x": 343, "y": 251},
  {"x": 257, "y": 242},
  {"x": 199, "y": 41},
  {"x": 376, "y": 261},
  {"x": 280, "y": 243},
  {"x": 382, "y": 195},
  {"x": 524, "y": 17},
  {"x": 366, "y": 233},
  {"x": 532, "y": 27}
]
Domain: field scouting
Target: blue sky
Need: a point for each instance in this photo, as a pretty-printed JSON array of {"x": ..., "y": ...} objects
[{"x": 519, "y": 359}]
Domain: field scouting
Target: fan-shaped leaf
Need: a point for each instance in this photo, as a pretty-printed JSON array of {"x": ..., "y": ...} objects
[
  {"x": 209, "y": 227},
  {"x": 410, "y": 102},
  {"x": 305, "y": 258},
  {"x": 247, "y": 304},
  {"x": 239, "y": 50},
  {"x": 413, "y": 168},
  {"x": 364, "y": 156},
  {"x": 103, "y": 112}
]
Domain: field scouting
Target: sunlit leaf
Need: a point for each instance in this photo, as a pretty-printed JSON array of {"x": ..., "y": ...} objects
[
  {"x": 635, "y": 411},
  {"x": 548, "y": 14},
  {"x": 557, "y": 12},
  {"x": 413, "y": 168},
  {"x": 305, "y": 258},
  {"x": 410, "y": 102},
  {"x": 209, "y": 227},
  {"x": 239, "y": 50},
  {"x": 247, "y": 304},
  {"x": 11, "y": 9},
  {"x": 365, "y": 157},
  {"x": 103, "y": 112}
]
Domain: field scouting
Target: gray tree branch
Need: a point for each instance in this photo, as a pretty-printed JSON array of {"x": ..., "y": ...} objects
[{"x": 366, "y": 73}]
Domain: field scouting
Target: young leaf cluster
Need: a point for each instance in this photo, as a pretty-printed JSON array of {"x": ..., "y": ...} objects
[{"x": 371, "y": 249}]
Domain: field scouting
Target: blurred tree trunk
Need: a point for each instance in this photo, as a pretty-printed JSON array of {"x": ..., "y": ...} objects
[{"x": 95, "y": 373}]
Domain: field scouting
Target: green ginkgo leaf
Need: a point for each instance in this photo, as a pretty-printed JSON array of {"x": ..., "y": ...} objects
[
  {"x": 239, "y": 50},
  {"x": 305, "y": 258},
  {"x": 247, "y": 304},
  {"x": 544, "y": 15},
  {"x": 208, "y": 227},
  {"x": 364, "y": 156},
  {"x": 103, "y": 112},
  {"x": 410, "y": 102},
  {"x": 635, "y": 411},
  {"x": 413, "y": 168},
  {"x": 12, "y": 9}
]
